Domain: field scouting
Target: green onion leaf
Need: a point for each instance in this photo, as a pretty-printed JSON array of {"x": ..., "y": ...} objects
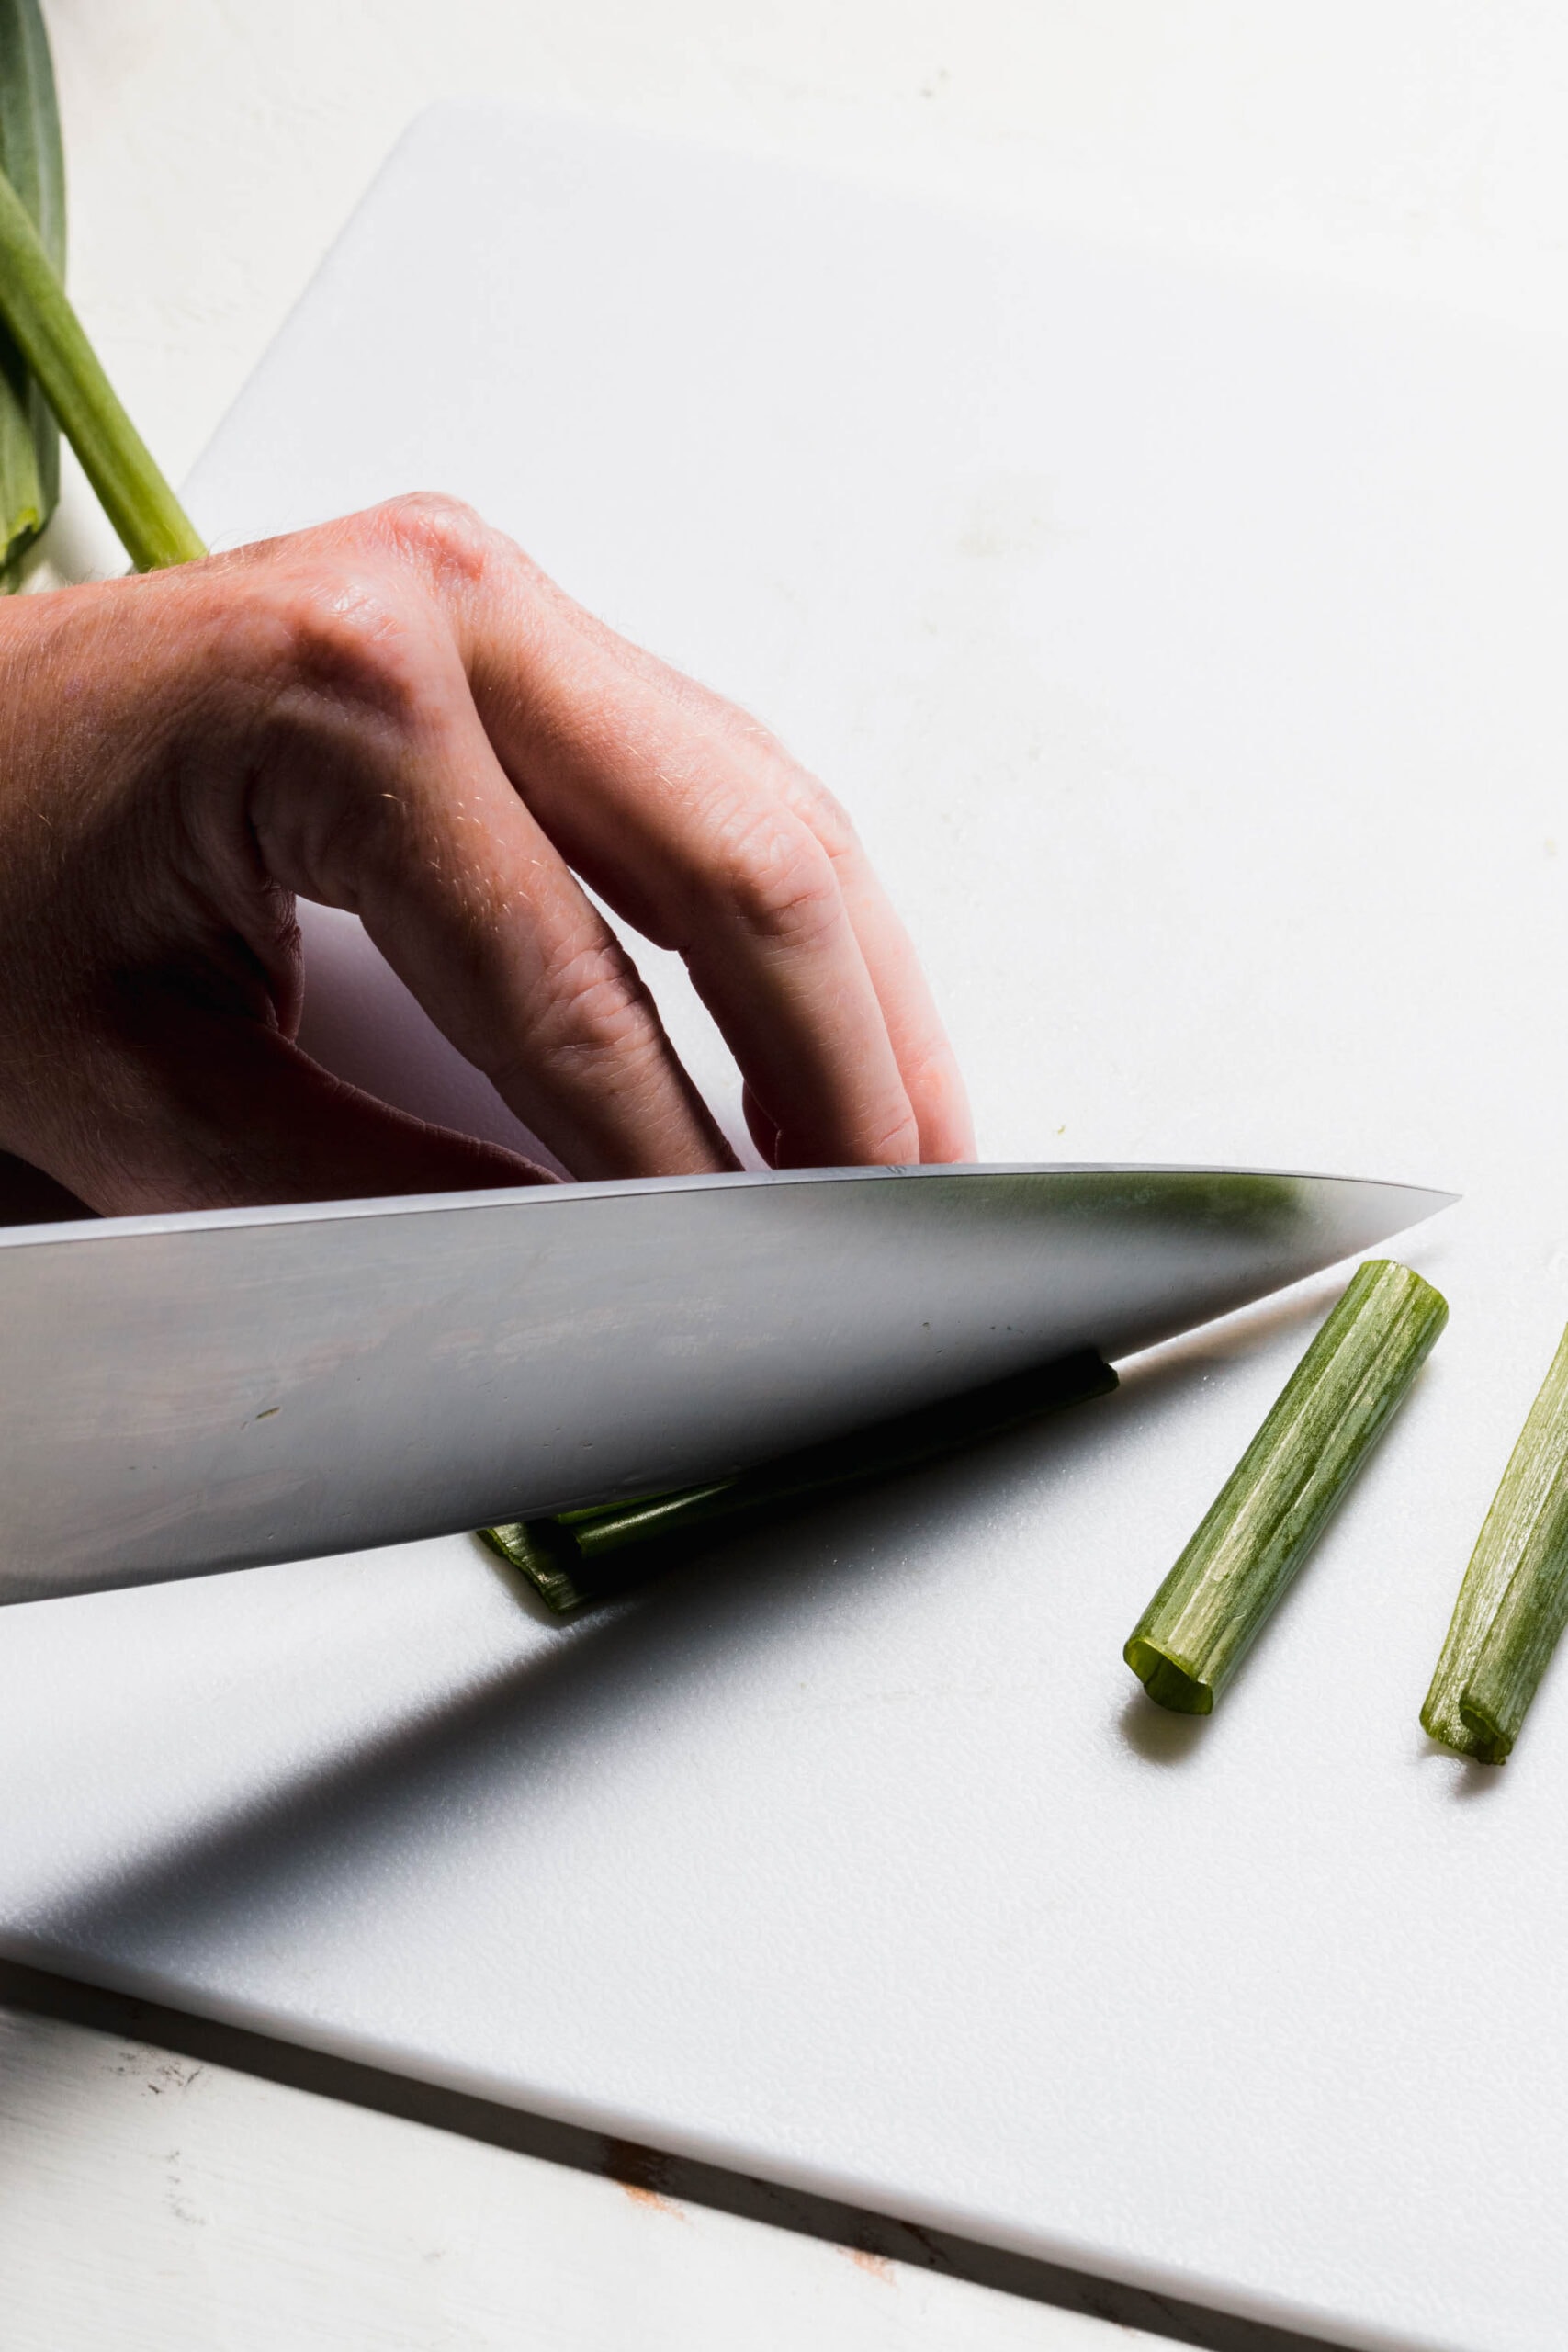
[
  {"x": 1513, "y": 1603},
  {"x": 148, "y": 518},
  {"x": 31, "y": 159},
  {"x": 1189, "y": 1641},
  {"x": 579, "y": 1557}
]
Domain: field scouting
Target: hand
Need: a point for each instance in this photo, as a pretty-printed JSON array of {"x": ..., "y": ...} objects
[{"x": 400, "y": 715}]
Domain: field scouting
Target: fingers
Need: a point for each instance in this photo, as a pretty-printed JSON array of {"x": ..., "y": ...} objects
[
  {"x": 399, "y": 716},
  {"x": 224, "y": 1114},
  {"x": 462, "y": 890},
  {"x": 484, "y": 922},
  {"x": 729, "y": 877},
  {"x": 926, "y": 1059},
  {"x": 481, "y": 742},
  {"x": 694, "y": 826}
]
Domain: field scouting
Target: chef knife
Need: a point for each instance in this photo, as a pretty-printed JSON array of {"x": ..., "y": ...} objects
[{"x": 184, "y": 1394}]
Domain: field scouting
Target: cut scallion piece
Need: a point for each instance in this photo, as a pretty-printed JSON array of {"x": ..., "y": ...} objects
[
  {"x": 1513, "y": 1603},
  {"x": 579, "y": 1556},
  {"x": 1189, "y": 1641},
  {"x": 31, "y": 159}
]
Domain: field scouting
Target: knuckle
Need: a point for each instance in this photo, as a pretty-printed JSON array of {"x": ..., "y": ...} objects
[
  {"x": 828, "y": 817},
  {"x": 339, "y": 632},
  {"x": 442, "y": 534},
  {"x": 898, "y": 1144},
  {"x": 590, "y": 1010},
  {"x": 338, "y": 673},
  {"x": 772, "y": 871}
]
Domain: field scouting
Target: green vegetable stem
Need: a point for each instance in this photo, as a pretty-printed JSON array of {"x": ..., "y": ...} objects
[
  {"x": 579, "y": 1556},
  {"x": 1513, "y": 1603},
  {"x": 31, "y": 159},
  {"x": 1199, "y": 1625},
  {"x": 34, "y": 306}
]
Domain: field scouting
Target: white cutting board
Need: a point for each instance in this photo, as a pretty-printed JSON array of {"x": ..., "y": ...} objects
[{"x": 1191, "y": 651}]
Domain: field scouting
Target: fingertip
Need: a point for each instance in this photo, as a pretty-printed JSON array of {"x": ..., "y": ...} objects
[
  {"x": 761, "y": 1126},
  {"x": 948, "y": 1140},
  {"x": 946, "y": 1123}
]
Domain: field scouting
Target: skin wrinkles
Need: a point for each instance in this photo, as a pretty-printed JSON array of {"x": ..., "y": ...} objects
[{"x": 399, "y": 714}]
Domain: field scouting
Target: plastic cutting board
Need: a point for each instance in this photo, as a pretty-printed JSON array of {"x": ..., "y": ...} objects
[{"x": 1192, "y": 652}]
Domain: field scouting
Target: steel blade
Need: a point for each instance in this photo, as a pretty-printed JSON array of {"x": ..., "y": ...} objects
[{"x": 186, "y": 1394}]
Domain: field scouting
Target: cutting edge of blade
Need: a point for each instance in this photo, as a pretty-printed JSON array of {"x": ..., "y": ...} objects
[{"x": 539, "y": 1196}]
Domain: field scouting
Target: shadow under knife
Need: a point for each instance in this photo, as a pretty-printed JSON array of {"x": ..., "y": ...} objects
[
  {"x": 725, "y": 1595},
  {"x": 524, "y": 1717}
]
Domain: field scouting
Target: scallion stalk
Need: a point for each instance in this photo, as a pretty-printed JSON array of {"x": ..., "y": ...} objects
[
  {"x": 32, "y": 160},
  {"x": 1513, "y": 1603},
  {"x": 581, "y": 1556},
  {"x": 1189, "y": 1641},
  {"x": 144, "y": 511}
]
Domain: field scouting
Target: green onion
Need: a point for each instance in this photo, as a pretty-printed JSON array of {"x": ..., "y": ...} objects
[
  {"x": 579, "y": 1556},
  {"x": 50, "y": 374},
  {"x": 1513, "y": 1603},
  {"x": 1210, "y": 1608},
  {"x": 138, "y": 501},
  {"x": 31, "y": 159}
]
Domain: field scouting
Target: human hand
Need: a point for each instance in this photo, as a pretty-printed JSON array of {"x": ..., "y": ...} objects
[{"x": 399, "y": 714}]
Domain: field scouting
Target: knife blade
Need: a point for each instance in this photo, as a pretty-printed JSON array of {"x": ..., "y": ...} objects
[{"x": 186, "y": 1394}]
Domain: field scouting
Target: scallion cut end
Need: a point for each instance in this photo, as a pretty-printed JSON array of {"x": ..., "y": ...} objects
[
  {"x": 527, "y": 1546},
  {"x": 1489, "y": 1742},
  {"x": 1167, "y": 1683}
]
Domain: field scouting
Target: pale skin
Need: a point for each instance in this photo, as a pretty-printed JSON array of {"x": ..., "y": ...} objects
[{"x": 400, "y": 715}]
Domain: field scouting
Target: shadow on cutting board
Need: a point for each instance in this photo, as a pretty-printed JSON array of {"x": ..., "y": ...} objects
[
  {"x": 1158, "y": 1736},
  {"x": 522, "y": 1716},
  {"x": 526, "y": 1712}
]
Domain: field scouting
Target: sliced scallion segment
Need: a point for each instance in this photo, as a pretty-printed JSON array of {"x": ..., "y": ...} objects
[
  {"x": 535, "y": 1549},
  {"x": 1513, "y": 1603},
  {"x": 32, "y": 160},
  {"x": 579, "y": 1557},
  {"x": 1199, "y": 1625}
]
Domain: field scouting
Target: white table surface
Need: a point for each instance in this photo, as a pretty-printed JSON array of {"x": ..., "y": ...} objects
[
  {"x": 152, "y": 2202},
  {"x": 214, "y": 151}
]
